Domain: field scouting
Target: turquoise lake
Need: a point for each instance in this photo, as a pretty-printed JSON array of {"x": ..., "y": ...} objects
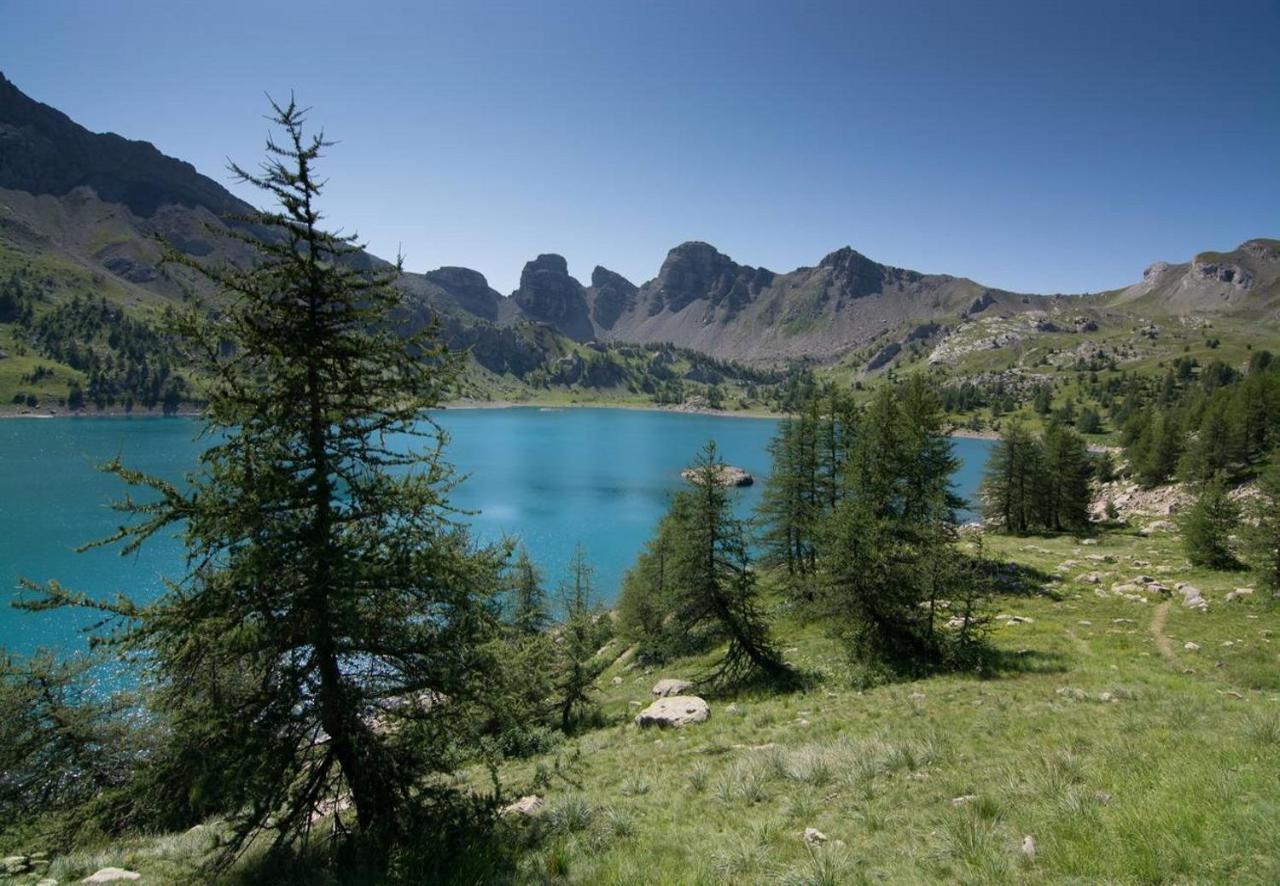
[{"x": 549, "y": 477}]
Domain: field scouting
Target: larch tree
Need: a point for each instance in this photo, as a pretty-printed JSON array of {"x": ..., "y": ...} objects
[
  {"x": 714, "y": 587},
  {"x": 584, "y": 628},
  {"x": 1264, "y": 534},
  {"x": 335, "y": 625}
]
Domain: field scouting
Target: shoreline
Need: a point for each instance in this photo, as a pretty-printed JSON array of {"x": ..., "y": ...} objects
[
  {"x": 449, "y": 406},
  {"x": 477, "y": 405},
  {"x": 462, "y": 405}
]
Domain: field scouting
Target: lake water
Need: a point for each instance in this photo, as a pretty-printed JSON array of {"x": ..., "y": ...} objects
[{"x": 551, "y": 478}]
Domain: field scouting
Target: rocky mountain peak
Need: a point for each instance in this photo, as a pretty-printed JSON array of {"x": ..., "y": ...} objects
[
  {"x": 43, "y": 151},
  {"x": 548, "y": 294},
  {"x": 602, "y": 278},
  {"x": 613, "y": 295},
  {"x": 546, "y": 263},
  {"x": 697, "y": 270}
]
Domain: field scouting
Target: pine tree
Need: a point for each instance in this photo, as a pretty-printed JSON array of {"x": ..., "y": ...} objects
[
  {"x": 63, "y": 743},
  {"x": 529, "y": 613},
  {"x": 1063, "y": 494},
  {"x": 1009, "y": 484},
  {"x": 646, "y": 601},
  {"x": 1264, "y": 535},
  {"x": 582, "y": 632},
  {"x": 1207, "y": 526},
  {"x": 335, "y": 625},
  {"x": 888, "y": 553},
  {"x": 713, "y": 597}
]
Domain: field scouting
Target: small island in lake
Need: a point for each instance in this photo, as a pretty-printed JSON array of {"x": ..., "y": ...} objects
[{"x": 728, "y": 475}]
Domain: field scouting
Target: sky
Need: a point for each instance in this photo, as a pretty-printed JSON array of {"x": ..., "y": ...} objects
[{"x": 1033, "y": 146}]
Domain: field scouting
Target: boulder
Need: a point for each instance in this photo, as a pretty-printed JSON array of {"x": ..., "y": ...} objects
[
  {"x": 15, "y": 864},
  {"x": 669, "y": 686},
  {"x": 529, "y": 805},
  {"x": 111, "y": 875},
  {"x": 676, "y": 710},
  {"x": 728, "y": 475},
  {"x": 813, "y": 836},
  {"x": 1192, "y": 598}
]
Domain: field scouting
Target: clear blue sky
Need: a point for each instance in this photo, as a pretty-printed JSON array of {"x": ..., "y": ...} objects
[{"x": 1031, "y": 145}]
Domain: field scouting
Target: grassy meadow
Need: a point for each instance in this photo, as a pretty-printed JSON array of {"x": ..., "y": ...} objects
[{"x": 1132, "y": 742}]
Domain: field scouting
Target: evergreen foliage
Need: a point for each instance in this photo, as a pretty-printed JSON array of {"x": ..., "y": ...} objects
[
  {"x": 529, "y": 612},
  {"x": 1207, "y": 527},
  {"x": 584, "y": 630},
  {"x": 891, "y": 570},
  {"x": 1264, "y": 534},
  {"x": 62, "y": 744},
  {"x": 334, "y": 643},
  {"x": 1038, "y": 484},
  {"x": 809, "y": 454},
  {"x": 1218, "y": 422},
  {"x": 695, "y": 579}
]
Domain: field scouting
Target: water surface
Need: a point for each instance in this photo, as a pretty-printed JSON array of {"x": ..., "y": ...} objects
[{"x": 550, "y": 477}]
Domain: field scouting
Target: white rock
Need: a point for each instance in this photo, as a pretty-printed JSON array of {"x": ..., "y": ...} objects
[
  {"x": 529, "y": 805},
  {"x": 111, "y": 875},
  {"x": 1191, "y": 647},
  {"x": 676, "y": 710},
  {"x": 669, "y": 686},
  {"x": 15, "y": 864},
  {"x": 813, "y": 835}
]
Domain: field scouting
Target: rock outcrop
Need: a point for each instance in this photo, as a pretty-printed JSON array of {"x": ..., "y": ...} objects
[
  {"x": 547, "y": 294},
  {"x": 674, "y": 711},
  {"x": 728, "y": 476},
  {"x": 670, "y": 686}
]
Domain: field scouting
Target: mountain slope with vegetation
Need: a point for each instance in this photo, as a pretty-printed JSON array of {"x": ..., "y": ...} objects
[{"x": 85, "y": 220}]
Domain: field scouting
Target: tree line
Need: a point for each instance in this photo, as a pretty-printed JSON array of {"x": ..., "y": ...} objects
[{"x": 857, "y": 524}]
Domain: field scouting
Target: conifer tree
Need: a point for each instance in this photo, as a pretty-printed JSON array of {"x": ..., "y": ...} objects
[
  {"x": 710, "y": 586},
  {"x": 647, "y": 599},
  {"x": 582, "y": 632},
  {"x": 1009, "y": 484},
  {"x": 1264, "y": 535},
  {"x": 335, "y": 625},
  {"x": 62, "y": 743},
  {"x": 529, "y": 613},
  {"x": 889, "y": 558},
  {"x": 1062, "y": 487},
  {"x": 1207, "y": 527}
]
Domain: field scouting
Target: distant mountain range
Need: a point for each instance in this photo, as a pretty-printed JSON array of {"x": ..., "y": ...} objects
[{"x": 97, "y": 202}]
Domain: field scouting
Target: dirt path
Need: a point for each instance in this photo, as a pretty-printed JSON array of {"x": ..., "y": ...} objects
[{"x": 1158, "y": 619}]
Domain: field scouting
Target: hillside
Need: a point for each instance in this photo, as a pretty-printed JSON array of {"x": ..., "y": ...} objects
[
  {"x": 82, "y": 288},
  {"x": 1130, "y": 737}
]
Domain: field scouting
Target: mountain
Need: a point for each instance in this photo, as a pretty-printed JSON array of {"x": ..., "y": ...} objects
[
  {"x": 82, "y": 215},
  {"x": 1244, "y": 281}
]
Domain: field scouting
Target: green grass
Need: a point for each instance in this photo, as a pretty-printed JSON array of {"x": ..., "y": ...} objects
[{"x": 1124, "y": 766}]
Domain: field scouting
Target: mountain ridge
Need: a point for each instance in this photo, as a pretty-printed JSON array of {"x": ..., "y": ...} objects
[{"x": 102, "y": 202}]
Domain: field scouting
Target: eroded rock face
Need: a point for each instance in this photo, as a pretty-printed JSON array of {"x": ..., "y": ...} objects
[
  {"x": 549, "y": 295},
  {"x": 670, "y": 686},
  {"x": 676, "y": 711},
  {"x": 1223, "y": 273},
  {"x": 697, "y": 270},
  {"x": 613, "y": 293}
]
